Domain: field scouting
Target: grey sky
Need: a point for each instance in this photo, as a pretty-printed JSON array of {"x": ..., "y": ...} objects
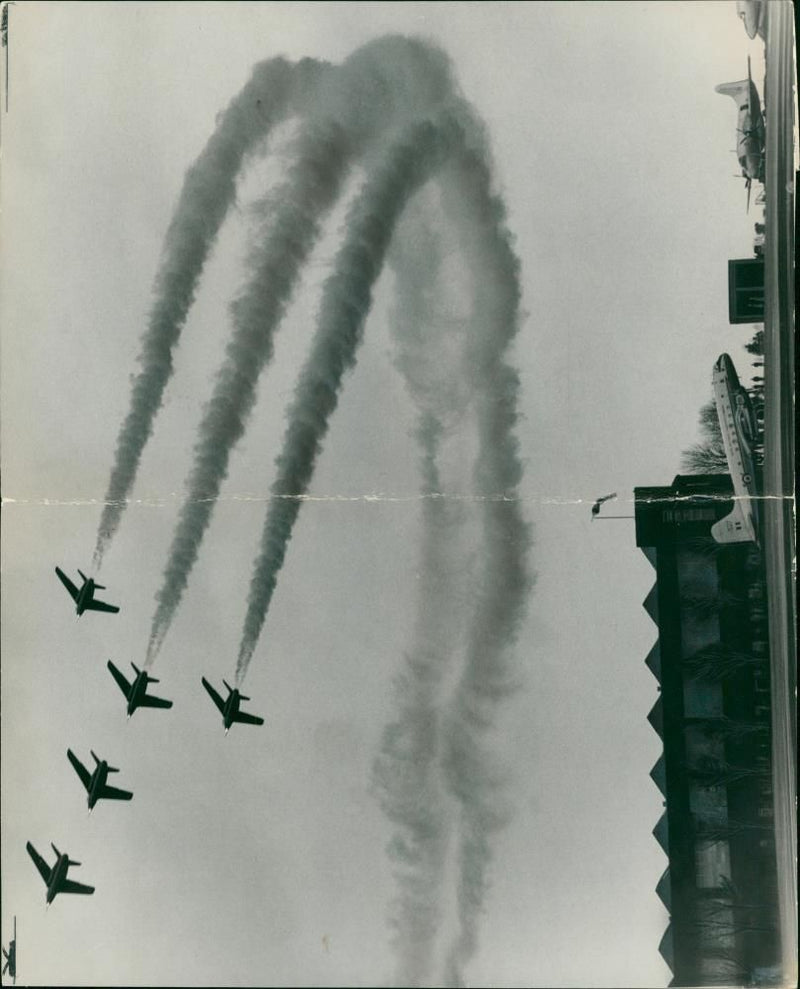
[{"x": 238, "y": 855}]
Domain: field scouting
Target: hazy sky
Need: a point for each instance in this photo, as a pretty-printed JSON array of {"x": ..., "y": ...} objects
[{"x": 258, "y": 858}]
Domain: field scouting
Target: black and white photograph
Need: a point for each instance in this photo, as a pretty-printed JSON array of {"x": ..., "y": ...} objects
[{"x": 397, "y": 434}]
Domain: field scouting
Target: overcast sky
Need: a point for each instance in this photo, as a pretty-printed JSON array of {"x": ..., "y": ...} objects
[{"x": 258, "y": 858}]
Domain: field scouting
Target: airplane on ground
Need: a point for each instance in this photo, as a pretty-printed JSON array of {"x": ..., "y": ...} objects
[
  {"x": 84, "y": 596},
  {"x": 739, "y": 432},
  {"x": 136, "y": 692},
  {"x": 10, "y": 956},
  {"x": 229, "y": 708},
  {"x": 96, "y": 783},
  {"x": 56, "y": 878},
  {"x": 750, "y": 128}
]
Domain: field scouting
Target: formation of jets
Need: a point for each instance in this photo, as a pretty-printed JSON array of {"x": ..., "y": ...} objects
[{"x": 95, "y": 782}]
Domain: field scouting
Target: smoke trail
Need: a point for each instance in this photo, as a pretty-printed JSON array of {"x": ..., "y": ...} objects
[
  {"x": 381, "y": 85},
  {"x": 490, "y": 673},
  {"x": 346, "y": 300},
  {"x": 406, "y": 774},
  {"x": 275, "y": 89}
]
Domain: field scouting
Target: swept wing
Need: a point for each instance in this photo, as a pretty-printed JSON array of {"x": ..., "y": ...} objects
[
  {"x": 214, "y": 696},
  {"x": 70, "y": 886},
  {"x": 149, "y": 701},
  {"x": 248, "y": 719},
  {"x": 124, "y": 686},
  {"x": 114, "y": 793},
  {"x": 80, "y": 769},
  {"x": 39, "y": 862},
  {"x": 96, "y": 605},
  {"x": 73, "y": 590}
]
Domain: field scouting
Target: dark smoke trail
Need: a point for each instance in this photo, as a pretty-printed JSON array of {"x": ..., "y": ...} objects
[
  {"x": 406, "y": 771},
  {"x": 275, "y": 89},
  {"x": 381, "y": 85},
  {"x": 346, "y": 301},
  {"x": 490, "y": 674}
]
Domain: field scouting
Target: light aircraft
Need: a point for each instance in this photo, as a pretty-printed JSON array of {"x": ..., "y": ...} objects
[
  {"x": 84, "y": 597},
  {"x": 229, "y": 708},
  {"x": 96, "y": 783},
  {"x": 56, "y": 878},
  {"x": 10, "y": 956},
  {"x": 749, "y": 128},
  {"x": 739, "y": 432},
  {"x": 599, "y": 502},
  {"x": 136, "y": 692}
]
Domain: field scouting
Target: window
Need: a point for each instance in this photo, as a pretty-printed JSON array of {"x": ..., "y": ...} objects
[{"x": 712, "y": 863}]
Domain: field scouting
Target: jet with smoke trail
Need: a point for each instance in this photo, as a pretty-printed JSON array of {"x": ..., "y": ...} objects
[
  {"x": 379, "y": 88},
  {"x": 276, "y": 90}
]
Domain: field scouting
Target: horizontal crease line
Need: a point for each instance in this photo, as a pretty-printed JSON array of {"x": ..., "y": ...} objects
[{"x": 378, "y": 497}]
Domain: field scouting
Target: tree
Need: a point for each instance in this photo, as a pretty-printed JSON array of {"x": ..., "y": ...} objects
[
  {"x": 718, "y": 661},
  {"x": 756, "y": 344}
]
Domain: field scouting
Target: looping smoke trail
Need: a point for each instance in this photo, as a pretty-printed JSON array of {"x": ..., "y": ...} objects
[
  {"x": 490, "y": 674},
  {"x": 406, "y": 773},
  {"x": 346, "y": 300},
  {"x": 379, "y": 87},
  {"x": 275, "y": 89}
]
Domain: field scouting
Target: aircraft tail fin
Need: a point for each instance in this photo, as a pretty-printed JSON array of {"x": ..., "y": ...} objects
[
  {"x": 243, "y": 698},
  {"x": 733, "y": 89},
  {"x": 58, "y": 853},
  {"x": 736, "y": 527},
  {"x": 228, "y": 686},
  {"x": 136, "y": 668},
  {"x": 112, "y": 769},
  {"x": 94, "y": 757},
  {"x": 100, "y": 587},
  {"x": 152, "y": 679},
  {"x": 83, "y": 575},
  {"x": 73, "y": 862}
]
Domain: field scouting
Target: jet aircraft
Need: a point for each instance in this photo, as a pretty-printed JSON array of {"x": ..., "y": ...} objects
[
  {"x": 96, "y": 783},
  {"x": 84, "y": 596},
  {"x": 136, "y": 692},
  {"x": 56, "y": 878},
  {"x": 10, "y": 956},
  {"x": 229, "y": 708},
  {"x": 750, "y": 128}
]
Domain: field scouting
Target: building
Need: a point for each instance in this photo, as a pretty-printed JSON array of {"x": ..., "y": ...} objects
[{"x": 711, "y": 660}]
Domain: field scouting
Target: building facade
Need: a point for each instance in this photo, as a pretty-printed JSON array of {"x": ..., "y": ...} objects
[{"x": 711, "y": 661}]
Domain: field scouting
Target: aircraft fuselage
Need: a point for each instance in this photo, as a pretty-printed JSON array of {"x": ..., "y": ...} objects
[
  {"x": 99, "y": 780},
  {"x": 57, "y": 876},
  {"x": 231, "y": 708},
  {"x": 85, "y": 595}
]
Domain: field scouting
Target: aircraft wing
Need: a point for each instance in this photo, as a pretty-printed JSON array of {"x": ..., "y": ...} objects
[
  {"x": 113, "y": 793},
  {"x": 149, "y": 701},
  {"x": 70, "y": 886},
  {"x": 248, "y": 719},
  {"x": 124, "y": 686},
  {"x": 73, "y": 590},
  {"x": 95, "y": 605},
  {"x": 39, "y": 862},
  {"x": 214, "y": 695},
  {"x": 80, "y": 769}
]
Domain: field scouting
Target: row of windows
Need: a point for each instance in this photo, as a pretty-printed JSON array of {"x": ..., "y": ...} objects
[{"x": 688, "y": 515}]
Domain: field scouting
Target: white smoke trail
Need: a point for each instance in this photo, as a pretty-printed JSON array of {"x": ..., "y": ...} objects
[
  {"x": 380, "y": 86},
  {"x": 406, "y": 771},
  {"x": 276, "y": 89}
]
